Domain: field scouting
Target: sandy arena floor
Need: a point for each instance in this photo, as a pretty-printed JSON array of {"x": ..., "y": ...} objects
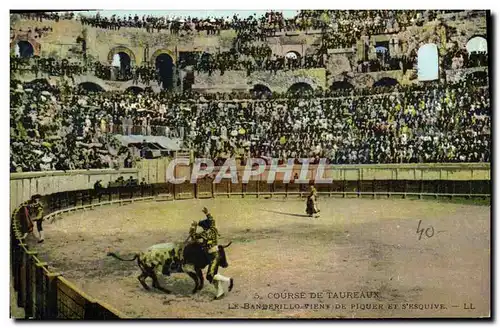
[{"x": 362, "y": 246}]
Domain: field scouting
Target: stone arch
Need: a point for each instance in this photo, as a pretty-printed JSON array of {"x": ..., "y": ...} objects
[
  {"x": 162, "y": 51},
  {"x": 117, "y": 50},
  {"x": 34, "y": 43},
  {"x": 477, "y": 43},
  {"x": 134, "y": 89},
  {"x": 26, "y": 48},
  {"x": 130, "y": 84},
  {"x": 262, "y": 89},
  {"x": 300, "y": 87},
  {"x": 90, "y": 79},
  {"x": 428, "y": 62},
  {"x": 313, "y": 83},
  {"x": 90, "y": 86},
  {"x": 165, "y": 67},
  {"x": 292, "y": 54},
  {"x": 386, "y": 81}
]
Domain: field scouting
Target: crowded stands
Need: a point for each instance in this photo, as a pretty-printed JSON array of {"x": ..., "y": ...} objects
[
  {"x": 53, "y": 131},
  {"x": 432, "y": 123},
  {"x": 342, "y": 29},
  {"x": 68, "y": 127},
  {"x": 370, "y": 21}
]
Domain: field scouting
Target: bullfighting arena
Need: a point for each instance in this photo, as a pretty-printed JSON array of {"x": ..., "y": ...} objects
[{"x": 364, "y": 258}]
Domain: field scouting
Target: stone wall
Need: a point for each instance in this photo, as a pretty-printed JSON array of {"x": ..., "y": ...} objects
[
  {"x": 78, "y": 79},
  {"x": 101, "y": 41},
  {"x": 145, "y": 46},
  {"x": 366, "y": 80},
  {"x": 279, "y": 82},
  {"x": 459, "y": 74}
]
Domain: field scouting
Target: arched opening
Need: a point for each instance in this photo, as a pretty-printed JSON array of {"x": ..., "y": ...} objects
[
  {"x": 292, "y": 55},
  {"x": 89, "y": 87},
  {"x": 337, "y": 85},
  {"x": 122, "y": 66},
  {"x": 428, "y": 62},
  {"x": 386, "y": 82},
  {"x": 116, "y": 60},
  {"x": 261, "y": 91},
  {"x": 477, "y": 47},
  {"x": 381, "y": 50},
  {"x": 293, "y": 59},
  {"x": 165, "y": 68},
  {"x": 300, "y": 88},
  {"x": 134, "y": 90},
  {"x": 382, "y": 53},
  {"x": 24, "y": 49},
  {"x": 477, "y": 44}
]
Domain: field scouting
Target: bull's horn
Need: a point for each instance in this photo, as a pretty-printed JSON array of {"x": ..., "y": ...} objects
[{"x": 227, "y": 244}]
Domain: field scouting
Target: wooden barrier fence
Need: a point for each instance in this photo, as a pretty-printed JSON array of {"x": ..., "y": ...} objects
[{"x": 46, "y": 294}]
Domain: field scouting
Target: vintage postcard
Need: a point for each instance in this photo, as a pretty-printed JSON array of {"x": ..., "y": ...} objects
[{"x": 293, "y": 164}]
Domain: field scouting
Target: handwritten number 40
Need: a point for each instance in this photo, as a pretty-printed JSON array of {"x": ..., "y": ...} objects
[{"x": 429, "y": 232}]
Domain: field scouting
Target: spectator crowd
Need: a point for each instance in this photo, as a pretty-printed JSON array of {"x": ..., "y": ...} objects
[
  {"x": 56, "y": 128},
  {"x": 353, "y": 21},
  {"x": 65, "y": 128},
  {"x": 439, "y": 124},
  {"x": 50, "y": 131},
  {"x": 342, "y": 29},
  {"x": 32, "y": 32}
]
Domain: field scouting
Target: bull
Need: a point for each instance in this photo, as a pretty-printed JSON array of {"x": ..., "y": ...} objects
[{"x": 168, "y": 258}]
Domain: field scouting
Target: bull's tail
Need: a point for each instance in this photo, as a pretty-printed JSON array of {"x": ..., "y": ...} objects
[{"x": 121, "y": 259}]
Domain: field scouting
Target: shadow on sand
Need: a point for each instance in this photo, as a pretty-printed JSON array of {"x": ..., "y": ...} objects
[{"x": 288, "y": 214}]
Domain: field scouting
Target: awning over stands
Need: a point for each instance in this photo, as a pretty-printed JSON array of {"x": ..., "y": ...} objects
[{"x": 162, "y": 143}]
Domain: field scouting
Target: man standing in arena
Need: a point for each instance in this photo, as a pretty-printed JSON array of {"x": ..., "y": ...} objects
[
  {"x": 29, "y": 211},
  {"x": 208, "y": 239},
  {"x": 312, "y": 203}
]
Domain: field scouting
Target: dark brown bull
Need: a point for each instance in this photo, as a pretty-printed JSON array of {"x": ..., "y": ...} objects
[{"x": 194, "y": 261}]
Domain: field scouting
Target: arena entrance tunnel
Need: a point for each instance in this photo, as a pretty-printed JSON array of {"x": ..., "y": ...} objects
[
  {"x": 90, "y": 87},
  {"x": 300, "y": 87},
  {"x": 260, "y": 90},
  {"x": 134, "y": 90},
  {"x": 165, "y": 66}
]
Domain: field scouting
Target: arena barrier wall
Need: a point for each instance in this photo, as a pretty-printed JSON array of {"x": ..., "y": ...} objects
[
  {"x": 402, "y": 180},
  {"x": 24, "y": 185},
  {"x": 45, "y": 294}
]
